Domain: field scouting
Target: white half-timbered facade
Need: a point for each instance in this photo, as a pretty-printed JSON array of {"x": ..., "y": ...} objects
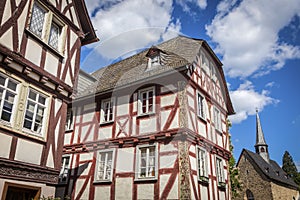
[
  {"x": 152, "y": 126},
  {"x": 40, "y": 42}
]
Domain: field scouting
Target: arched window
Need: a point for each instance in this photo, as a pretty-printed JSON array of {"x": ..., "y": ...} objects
[
  {"x": 249, "y": 194},
  {"x": 262, "y": 149}
]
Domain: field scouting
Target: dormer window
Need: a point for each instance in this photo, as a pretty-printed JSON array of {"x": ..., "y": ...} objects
[{"x": 153, "y": 57}]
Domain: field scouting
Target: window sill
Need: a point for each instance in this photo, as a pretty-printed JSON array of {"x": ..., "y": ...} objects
[
  {"x": 26, "y": 135},
  {"x": 53, "y": 50},
  {"x": 106, "y": 123},
  {"x": 68, "y": 130},
  {"x": 145, "y": 115},
  {"x": 203, "y": 180},
  {"x": 62, "y": 183},
  {"x": 218, "y": 131},
  {"x": 32, "y": 134},
  {"x": 202, "y": 119},
  {"x": 102, "y": 182},
  {"x": 146, "y": 179},
  {"x": 222, "y": 185}
]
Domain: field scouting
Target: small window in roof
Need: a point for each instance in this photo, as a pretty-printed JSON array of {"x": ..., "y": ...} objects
[{"x": 153, "y": 56}]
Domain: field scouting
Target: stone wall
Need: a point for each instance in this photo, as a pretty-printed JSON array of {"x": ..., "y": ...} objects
[
  {"x": 253, "y": 181},
  {"x": 283, "y": 193}
]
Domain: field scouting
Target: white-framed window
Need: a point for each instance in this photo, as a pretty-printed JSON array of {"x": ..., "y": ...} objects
[
  {"x": 146, "y": 162},
  {"x": 8, "y": 93},
  {"x": 46, "y": 26},
  {"x": 146, "y": 102},
  {"x": 35, "y": 112},
  {"x": 107, "y": 110},
  {"x": 202, "y": 164},
  {"x": 104, "y": 165},
  {"x": 220, "y": 171},
  {"x": 155, "y": 60},
  {"x": 69, "y": 121},
  {"x": 65, "y": 168},
  {"x": 217, "y": 119},
  {"x": 200, "y": 105}
]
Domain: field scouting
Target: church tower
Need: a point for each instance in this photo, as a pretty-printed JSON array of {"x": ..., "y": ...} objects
[{"x": 261, "y": 146}]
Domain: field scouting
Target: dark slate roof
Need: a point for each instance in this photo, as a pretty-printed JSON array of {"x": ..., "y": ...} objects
[
  {"x": 175, "y": 53},
  {"x": 271, "y": 170}
]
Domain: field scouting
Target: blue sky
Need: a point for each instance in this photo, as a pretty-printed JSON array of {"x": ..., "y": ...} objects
[{"x": 257, "y": 41}]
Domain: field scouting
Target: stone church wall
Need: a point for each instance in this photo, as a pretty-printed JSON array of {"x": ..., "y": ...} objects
[
  {"x": 253, "y": 181},
  {"x": 283, "y": 193}
]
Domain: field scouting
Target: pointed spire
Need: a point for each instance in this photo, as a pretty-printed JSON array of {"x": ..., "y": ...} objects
[{"x": 261, "y": 146}]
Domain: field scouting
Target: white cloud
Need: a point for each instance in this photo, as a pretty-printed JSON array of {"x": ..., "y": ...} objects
[
  {"x": 298, "y": 165},
  {"x": 246, "y": 100},
  {"x": 187, "y": 4},
  {"x": 127, "y": 26},
  {"x": 247, "y": 35},
  {"x": 172, "y": 30},
  {"x": 270, "y": 84}
]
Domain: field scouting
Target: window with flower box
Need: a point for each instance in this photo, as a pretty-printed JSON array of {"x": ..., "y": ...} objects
[
  {"x": 146, "y": 165},
  {"x": 104, "y": 165},
  {"x": 202, "y": 164},
  {"x": 220, "y": 172}
]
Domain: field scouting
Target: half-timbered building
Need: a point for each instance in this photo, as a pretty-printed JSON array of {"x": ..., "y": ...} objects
[
  {"x": 40, "y": 42},
  {"x": 152, "y": 126}
]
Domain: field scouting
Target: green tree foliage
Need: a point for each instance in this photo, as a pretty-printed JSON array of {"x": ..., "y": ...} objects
[
  {"x": 290, "y": 168},
  {"x": 234, "y": 173}
]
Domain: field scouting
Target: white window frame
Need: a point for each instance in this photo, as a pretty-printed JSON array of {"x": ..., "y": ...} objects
[
  {"x": 5, "y": 90},
  {"x": 45, "y": 114},
  {"x": 217, "y": 119},
  {"x": 202, "y": 164},
  {"x": 111, "y": 101},
  {"x": 138, "y": 172},
  {"x": 65, "y": 169},
  {"x": 49, "y": 20},
  {"x": 220, "y": 171},
  {"x": 104, "y": 153},
  {"x": 69, "y": 120},
  {"x": 140, "y": 101},
  {"x": 201, "y": 106}
]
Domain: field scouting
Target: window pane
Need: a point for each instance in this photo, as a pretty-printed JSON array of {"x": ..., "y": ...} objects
[
  {"x": 2, "y": 80},
  {"x": 32, "y": 95},
  {"x": 30, "y": 107},
  {"x": 27, "y": 124},
  {"x": 1, "y": 93},
  {"x": 6, "y": 116},
  {"x": 37, "y": 20},
  {"x": 54, "y": 35},
  {"x": 40, "y": 111},
  {"x": 42, "y": 99},
  {"x": 12, "y": 85}
]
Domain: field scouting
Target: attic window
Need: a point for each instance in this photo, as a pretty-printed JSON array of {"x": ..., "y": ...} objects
[
  {"x": 277, "y": 173},
  {"x": 153, "y": 56},
  {"x": 267, "y": 169}
]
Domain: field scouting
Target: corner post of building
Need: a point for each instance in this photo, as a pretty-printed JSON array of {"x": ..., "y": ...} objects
[{"x": 183, "y": 145}]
